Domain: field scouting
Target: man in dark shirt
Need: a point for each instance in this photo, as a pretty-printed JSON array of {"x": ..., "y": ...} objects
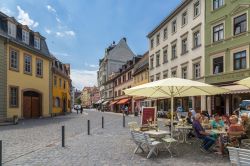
[{"x": 202, "y": 134}]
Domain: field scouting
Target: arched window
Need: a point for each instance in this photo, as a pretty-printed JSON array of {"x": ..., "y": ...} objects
[{"x": 57, "y": 102}]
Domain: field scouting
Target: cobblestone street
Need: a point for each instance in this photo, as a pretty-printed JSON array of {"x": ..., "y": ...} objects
[{"x": 38, "y": 142}]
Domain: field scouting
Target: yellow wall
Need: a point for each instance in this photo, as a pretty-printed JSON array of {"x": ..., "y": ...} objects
[
  {"x": 58, "y": 91},
  {"x": 24, "y": 82},
  {"x": 141, "y": 78}
]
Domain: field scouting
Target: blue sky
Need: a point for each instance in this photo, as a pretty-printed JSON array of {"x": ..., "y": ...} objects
[{"x": 78, "y": 31}]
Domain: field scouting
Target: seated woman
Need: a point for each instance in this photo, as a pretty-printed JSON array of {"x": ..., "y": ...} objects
[
  {"x": 217, "y": 122},
  {"x": 235, "y": 131}
]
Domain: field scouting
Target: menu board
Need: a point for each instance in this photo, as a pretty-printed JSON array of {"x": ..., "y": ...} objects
[{"x": 148, "y": 116}]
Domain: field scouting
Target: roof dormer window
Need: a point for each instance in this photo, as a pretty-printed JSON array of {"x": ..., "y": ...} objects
[
  {"x": 37, "y": 42},
  {"x": 12, "y": 29},
  {"x": 25, "y": 36}
]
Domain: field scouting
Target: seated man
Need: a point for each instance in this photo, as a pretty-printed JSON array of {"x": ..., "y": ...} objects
[
  {"x": 202, "y": 134},
  {"x": 246, "y": 124},
  {"x": 217, "y": 122}
]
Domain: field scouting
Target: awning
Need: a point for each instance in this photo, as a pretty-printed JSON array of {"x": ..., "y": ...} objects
[
  {"x": 113, "y": 102},
  {"x": 123, "y": 101},
  {"x": 99, "y": 101},
  {"x": 236, "y": 89},
  {"x": 105, "y": 102}
]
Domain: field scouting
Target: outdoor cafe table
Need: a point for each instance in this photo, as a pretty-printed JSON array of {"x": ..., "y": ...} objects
[
  {"x": 184, "y": 129},
  {"x": 216, "y": 131},
  {"x": 157, "y": 134}
]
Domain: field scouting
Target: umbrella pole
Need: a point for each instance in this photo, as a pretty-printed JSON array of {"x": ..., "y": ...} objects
[{"x": 172, "y": 113}]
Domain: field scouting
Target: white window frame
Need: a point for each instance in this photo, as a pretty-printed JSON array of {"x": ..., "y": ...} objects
[
  {"x": 11, "y": 29},
  {"x": 196, "y": 71},
  {"x": 218, "y": 3},
  {"x": 37, "y": 42},
  {"x": 199, "y": 8},
  {"x": 25, "y": 36}
]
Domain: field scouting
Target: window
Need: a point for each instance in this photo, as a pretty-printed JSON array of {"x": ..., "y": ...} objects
[
  {"x": 12, "y": 29},
  {"x": 165, "y": 56},
  {"x": 240, "y": 24},
  {"x": 184, "y": 72},
  {"x": 184, "y": 46},
  {"x": 184, "y": 18},
  {"x": 13, "y": 93},
  {"x": 129, "y": 75},
  {"x": 115, "y": 93},
  {"x": 158, "y": 39},
  {"x": 25, "y": 36},
  {"x": 218, "y": 32},
  {"x": 165, "y": 74},
  {"x": 124, "y": 78},
  {"x": 173, "y": 73},
  {"x": 174, "y": 26},
  {"x": 60, "y": 82},
  {"x": 165, "y": 33},
  {"x": 197, "y": 39},
  {"x": 157, "y": 59},
  {"x": 119, "y": 80},
  {"x": 152, "y": 44},
  {"x": 37, "y": 42},
  {"x": 217, "y": 4},
  {"x": 152, "y": 78},
  {"x": 174, "y": 56},
  {"x": 196, "y": 8},
  {"x": 27, "y": 64},
  {"x": 158, "y": 76},
  {"x": 197, "y": 71},
  {"x": 151, "y": 61},
  {"x": 240, "y": 60},
  {"x": 39, "y": 67},
  {"x": 218, "y": 65},
  {"x": 55, "y": 80},
  {"x": 14, "y": 59},
  {"x": 57, "y": 102}
]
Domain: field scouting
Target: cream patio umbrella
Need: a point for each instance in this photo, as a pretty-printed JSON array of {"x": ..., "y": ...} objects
[
  {"x": 174, "y": 87},
  {"x": 245, "y": 82}
]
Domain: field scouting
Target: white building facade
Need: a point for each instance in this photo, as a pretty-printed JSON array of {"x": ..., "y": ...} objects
[{"x": 177, "y": 49}]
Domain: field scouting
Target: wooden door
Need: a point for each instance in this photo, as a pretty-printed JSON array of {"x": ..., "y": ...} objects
[
  {"x": 35, "y": 109},
  {"x": 27, "y": 107}
]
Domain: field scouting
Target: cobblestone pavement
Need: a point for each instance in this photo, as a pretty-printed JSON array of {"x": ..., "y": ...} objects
[{"x": 37, "y": 142}]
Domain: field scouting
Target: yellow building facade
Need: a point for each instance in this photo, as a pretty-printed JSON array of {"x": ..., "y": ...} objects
[
  {"x": 31, "y": 88},
  {"x": 61, "y": 88}
]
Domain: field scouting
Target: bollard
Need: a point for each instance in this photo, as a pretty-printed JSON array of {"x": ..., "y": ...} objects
[
  {"x": 0, "y": 152},
  {"x": 102, "y": 122},
  {"x": 88, "y": 127},
  {"x": 123, "y": 120},
  {"x": 63, "y": 136}
]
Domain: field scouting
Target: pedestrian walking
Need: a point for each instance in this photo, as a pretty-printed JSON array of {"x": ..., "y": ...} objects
[
  {"x": 126, "y": 110},
  {"x": 81, "y": 109}
]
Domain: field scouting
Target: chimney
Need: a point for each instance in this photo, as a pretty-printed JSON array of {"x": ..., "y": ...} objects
[{"x": 125, "y": 39}]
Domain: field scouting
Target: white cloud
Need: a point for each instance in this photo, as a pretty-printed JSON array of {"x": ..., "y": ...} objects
[
  {"x": 65, "y": 33},
  {"x": 51, "y": 9},
  {"x": 60, "y": 54},
  {"x": 24, "y": 18},
  {"x": 48, "y": 31},
  {"x": 6, "y": 11},
  {"x": 91, "y": 65},
  {"x": 82, "y": 78},
  {"x": 58, "y": 20},
  {"x": 70, "y": 33}
]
